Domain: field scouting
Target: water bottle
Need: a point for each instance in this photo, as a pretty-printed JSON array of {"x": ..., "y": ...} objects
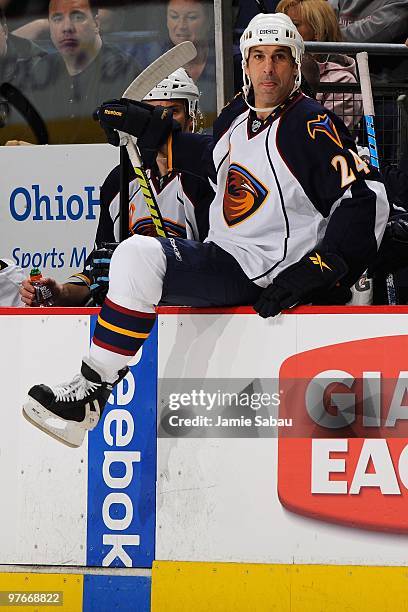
[{"x": 43, "y": 295}]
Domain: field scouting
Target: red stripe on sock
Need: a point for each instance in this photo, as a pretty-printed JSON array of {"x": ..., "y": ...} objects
[
  {"x": 132, "y": 313},
  {"x": 113, "y": 349}
]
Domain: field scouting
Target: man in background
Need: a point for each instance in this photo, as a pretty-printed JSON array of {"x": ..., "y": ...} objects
[
  {"x": 66, "y": 87},
  {"x": 17, "y": 55},
  {"x": 17, "y": 60}
]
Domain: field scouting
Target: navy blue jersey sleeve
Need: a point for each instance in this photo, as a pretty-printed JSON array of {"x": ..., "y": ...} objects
[
  {"x": 192, "y": 155},
  {"x": 200, "y": 194},
  {"x": 322, "y": 156},
  {"x": 192, "y": 158},
  {"x": 105, "y": 230},
  {"x": 109, "y": 190}
]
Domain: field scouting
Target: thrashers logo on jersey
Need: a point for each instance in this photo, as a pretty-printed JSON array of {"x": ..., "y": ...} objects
[
  {"x": 243, "y": 196},
  {"x": 324, "y": 124}
]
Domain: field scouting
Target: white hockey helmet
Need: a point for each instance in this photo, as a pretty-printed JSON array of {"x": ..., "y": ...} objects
[
  {"x": 178, "y": 86},
  {"x": 271, "y": 29}
]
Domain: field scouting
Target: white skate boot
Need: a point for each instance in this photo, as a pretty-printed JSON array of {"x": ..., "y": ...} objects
[{"x": 68, "y": 410}]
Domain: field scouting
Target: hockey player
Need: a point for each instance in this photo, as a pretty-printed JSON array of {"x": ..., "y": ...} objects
[
  {"x": 296, "y": 218},
  {"x": 183, "y": 200}
]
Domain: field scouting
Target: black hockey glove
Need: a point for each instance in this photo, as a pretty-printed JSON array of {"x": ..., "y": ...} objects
[
  {"x": 393, "y": 252},
  {"x": 151, "y": 125},
  {"x": 99, "y": 262},
  {"x": 314, "y": 273}
]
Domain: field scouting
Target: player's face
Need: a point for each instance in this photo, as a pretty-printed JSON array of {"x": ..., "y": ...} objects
[
  {"x": 304, "y": 28},
  {"x": 73, "y": 27},
  {"x": 3, "y": 40},
  {"x": 272, "y": 71},
  {"x": 179, "y": 112},
  {"x": 186, "y": 20}
]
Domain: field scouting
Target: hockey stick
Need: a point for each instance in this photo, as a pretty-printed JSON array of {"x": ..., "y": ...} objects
[
  {"x": 123, "y": 194},
  {"x": 368, "y": 106},
  {"x": 402, "y": 103},
  {"x": 27, "y": 110},
  {"x": 369, "y": 112},
  {"x": 262, "y": 7},
  {"x": 150, "y": 77}
]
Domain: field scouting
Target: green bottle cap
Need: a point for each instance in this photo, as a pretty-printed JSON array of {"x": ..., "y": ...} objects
[{"x": 35, "y": 272}]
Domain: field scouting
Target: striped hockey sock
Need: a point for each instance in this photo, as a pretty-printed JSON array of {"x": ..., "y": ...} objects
[{"x": 119, "y": 333}]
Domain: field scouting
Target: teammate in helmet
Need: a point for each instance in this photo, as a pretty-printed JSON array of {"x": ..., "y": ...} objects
[
  {"x": 183, "y": 205},
  {"x": 296, "y": 218},
  {"x": 178, "y": 86}
]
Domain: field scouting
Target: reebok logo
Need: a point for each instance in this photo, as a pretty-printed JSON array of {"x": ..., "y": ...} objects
[
  {"x": 318, "y": 261},
  {"x": 268, "y": 31},
  {"x": 175, "y": 249},
  {"x": 345, "y": 459},
  {"x": 113, "y": 112}
]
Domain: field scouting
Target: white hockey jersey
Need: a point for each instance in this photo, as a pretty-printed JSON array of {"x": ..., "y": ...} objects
[
  {"x": 175, "y": 206},
  {"x": 11, "y": 277},
  {"x": 289, "y": 183},
  {"x": 183, "y": 200}
]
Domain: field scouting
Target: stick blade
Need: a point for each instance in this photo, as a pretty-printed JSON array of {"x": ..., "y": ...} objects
[{"x": 158, "y": 70}]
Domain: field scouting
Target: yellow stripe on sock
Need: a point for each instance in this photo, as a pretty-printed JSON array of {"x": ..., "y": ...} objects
[{"x": 120, "y": 330}]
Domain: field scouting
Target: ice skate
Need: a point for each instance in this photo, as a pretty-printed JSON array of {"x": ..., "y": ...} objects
[{"x": 67, "y": 411}]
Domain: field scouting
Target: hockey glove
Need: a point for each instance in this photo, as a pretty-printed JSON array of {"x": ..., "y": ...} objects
[
  {"x": 298, "y": 284},
  {"x": 151, "y": 125},
  {"x": 99, "y": 262},
  {"x": 393, "y": 252}
]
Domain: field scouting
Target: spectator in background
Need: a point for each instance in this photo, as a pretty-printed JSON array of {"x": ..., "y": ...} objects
[
  {"x": 67, "y": 86},
  {"x": 193, "y": 20},
  {"x": 246, "y": 11},
  {"x": 373, "y": 21},
  {"x": 17, "y": 59},
  {"x": 379, "y": 21},
  {"x": 376, "y": 21},
  {"x": 109, "y": 20},
  {"x": 17, "y": 56},
  {"x": 316, "y": 20}
]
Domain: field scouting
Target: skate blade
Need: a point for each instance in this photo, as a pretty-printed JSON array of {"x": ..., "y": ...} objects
[{"x": 71, "y": 435}]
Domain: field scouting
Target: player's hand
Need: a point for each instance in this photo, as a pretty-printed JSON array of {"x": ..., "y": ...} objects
[
  {"x": 19, "y": 143},
  {"x": 151, "y": 125},
  {"x": 393, "y": 252},
  {"x": 134, "y": 118},
  {"x": 314, "y": 273},
  {"x": 27, "y": 291},
  {"x": 99, "y": 262}
]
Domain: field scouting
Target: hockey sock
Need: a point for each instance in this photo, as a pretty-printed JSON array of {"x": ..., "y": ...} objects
[{"x": 119, "y": 333}]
